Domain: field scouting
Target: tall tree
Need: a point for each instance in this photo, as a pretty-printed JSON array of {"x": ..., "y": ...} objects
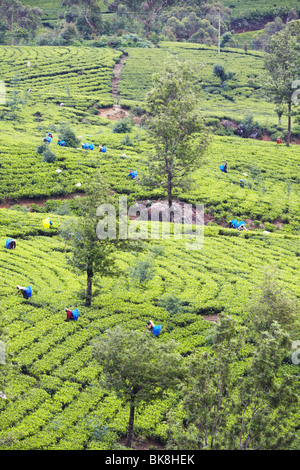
[
  {"x": 15, "y": 16},
  {"x": 270, "y": 302},
  {"x": 175, "y": 126},
  {"x": 137, "y": 367},
  {"x": 92, "y": 252},
  {"x": 145, "y": 11},
  {"x": 282, "y": 63},
  {"x": 234, "y": 404},
  {"x": 91, "y": 12},
  {"x": 263, "y": 401},
  {"x": 204, "y": 411}
]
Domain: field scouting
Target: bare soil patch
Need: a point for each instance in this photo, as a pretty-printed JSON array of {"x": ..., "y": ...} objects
[
  {"x": 40, "y": 201},
  {"x": 143, "y": 444},
  {"x": 116, "y": 112},
  {"x": 212, "y": 318}
]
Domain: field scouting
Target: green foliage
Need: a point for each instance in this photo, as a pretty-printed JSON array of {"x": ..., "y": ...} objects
[
  {"x": 68, "y": 135},
  {"x": 49, "y": 404},
  {"x": 49, "y": 156},
  {"x": 219, "y": 71},
  {"x": 137, "y": 367},
  {"x": 172, "y": 304},
  {"x": 42, "y": 148},
  {"x": 142, "y": 271},
  {"x": 58, "y": 395},
  {"x": 279, "y": 82},
  {"x": 249, "y": 128},
  {"x": 18, "y": 20},
  {"x": 271, "y": 303},
  {"x": 244, "y": 12},
  {"x": 176, "y": 128},
  {"x": 241, "y": 94},
  {"x": 231, "y": 405},
  {"x": 226, "y": 37},
  {"x": 123, "y": 126}
]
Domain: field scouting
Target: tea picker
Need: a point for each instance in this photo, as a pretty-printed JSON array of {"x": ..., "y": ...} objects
[
  {"x": 72, "y": 314},
  {"x": 232, "y": 224},
  {"x": 154, "y": 329},
  {"x": 241, "y": 225},
  {"x": 87, "y": 146},
  {"x": 10, "y": 244},
  {"x": 26, "y": 291},
  {"x": 132, "y": 174},
  {"x": 223, "y": 168},
  {"x": 47, "y": 223}
]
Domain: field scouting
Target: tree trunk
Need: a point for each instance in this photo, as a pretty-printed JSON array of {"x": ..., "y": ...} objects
[
  {"x": 147, "y": 28},
  {"x": 89, "y": 23},
  {"x": 130, "y": 426},
  {"x": 12, "y": 29},
  {"x": 288, "y": 138},
  {"x": 89, "y": 285},
  {"x": 170, "y": 195},
  {"x": 219, "y": 35}
]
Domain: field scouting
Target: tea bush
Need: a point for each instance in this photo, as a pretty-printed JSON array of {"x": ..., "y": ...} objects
[{"x": 55, "y": 387}]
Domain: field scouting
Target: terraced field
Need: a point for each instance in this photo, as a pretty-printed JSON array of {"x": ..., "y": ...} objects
[
  {"x": 78, "y": 77},
  {"x": 272, "y": 171},
  {"x": 242, "y": 9},
  {"x": 56, "y": 400},
  {"x": 242, "y": 96},
  {"x": 52, "y": 9}
]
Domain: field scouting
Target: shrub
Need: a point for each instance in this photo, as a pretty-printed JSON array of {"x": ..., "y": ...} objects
[
  {"x": 42, "y": 148},
  {"x": 142, "y": 271},
  {"x": 219, "y": 71},
  {"x": 138, "y": 111},
  {"x": 123, "y": 126},
  {"x": 172, "y": 304},
  {"x": 19, "y": 208},
  {"x": 49, "y": 156},
  {"x": 36, "y": 208},
  {"x": 269, "y": 227},
  {"x": 127, "y": 141},
  {"x": 248, "y": 128},
  {"x": 64, "y": 209},
  {"x": 69, "y": 136}
]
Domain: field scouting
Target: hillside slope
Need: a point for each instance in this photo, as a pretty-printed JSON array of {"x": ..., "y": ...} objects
[
  {"x": 272, "y": 171},
  {"x": 53, "y": 403}
]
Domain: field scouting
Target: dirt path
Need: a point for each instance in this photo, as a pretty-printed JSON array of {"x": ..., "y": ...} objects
[
  {"x": 39, "y": 201},
  {"x": 117, "y": 73},
  {"x": 116, "y": 112}
]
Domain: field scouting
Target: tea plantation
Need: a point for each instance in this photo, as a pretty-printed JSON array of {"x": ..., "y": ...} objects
[
  {"x": 246, "y": 10},
  {"x": 241, "y": 96},
  {"x": 81, "y": 79},
  {"x": 55, "y": 400}
]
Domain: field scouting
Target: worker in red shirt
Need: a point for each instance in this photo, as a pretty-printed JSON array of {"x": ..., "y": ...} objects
[
  {"x": 69, "y": 314},
  {"x": 72, "y": 314}
]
